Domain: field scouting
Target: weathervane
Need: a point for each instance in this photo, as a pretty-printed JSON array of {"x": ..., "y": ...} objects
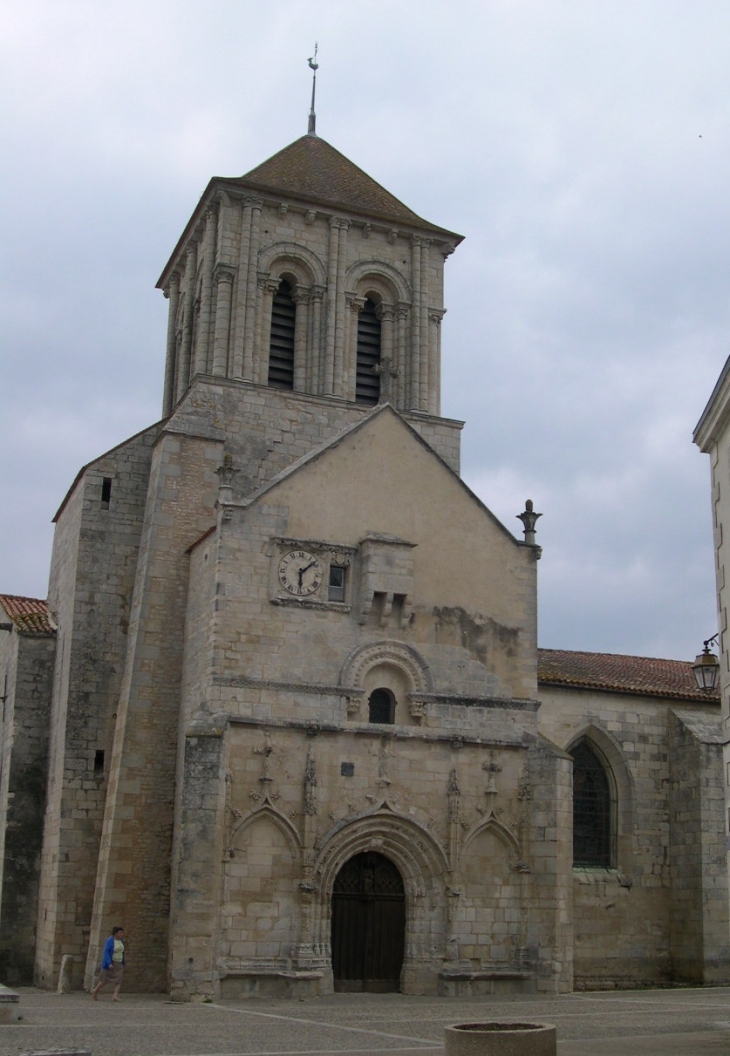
[{"x": 314, "y": 66}]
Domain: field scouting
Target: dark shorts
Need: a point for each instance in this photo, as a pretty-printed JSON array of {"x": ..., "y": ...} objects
[{"x": 115, "y": 974}]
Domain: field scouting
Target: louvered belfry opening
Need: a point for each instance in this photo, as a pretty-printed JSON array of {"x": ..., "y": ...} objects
[
  {"x": 591, "y": 809},
  {"x": 367, "y": 384},
  {"x": 281, "y": 345},
  {"x": 368, "y": 925}
]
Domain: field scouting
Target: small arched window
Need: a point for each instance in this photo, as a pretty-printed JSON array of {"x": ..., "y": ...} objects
[
  {"x": 281, "y": 343},
  {"x": 381, "y": 706},
  {"x": 367, "y": 382},
  {"x": 592, "y": 809}
]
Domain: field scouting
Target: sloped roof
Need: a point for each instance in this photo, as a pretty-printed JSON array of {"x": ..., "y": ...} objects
[
  {"x": 313, "y": 170},
  {"x": 29, "y": 615},
  {"x": 639, "y": 675}
]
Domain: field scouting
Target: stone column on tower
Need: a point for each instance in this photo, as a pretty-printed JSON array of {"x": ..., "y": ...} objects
[
  {"x": 339, "y": 346},
  {"x": 435, "y": 315},
  {"x": 415, "y": 357},
  {"x": 425, "y": 380},
  {"x": 239, "y": 310},
  {"x": 224, "y": 279},
  {"x": 314, "y": 378},
  {"x": 183, "y": 373},
  {"x": 206, "y": 294},
  {"x": 172, "y": 292},
  {"x": 252, "y": 291},
  {"x": 301, "y": 330}
]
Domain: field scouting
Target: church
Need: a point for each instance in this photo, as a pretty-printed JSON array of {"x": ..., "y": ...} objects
[{"x": 283, "y": 714}]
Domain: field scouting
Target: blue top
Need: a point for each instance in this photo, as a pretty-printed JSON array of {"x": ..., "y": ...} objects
[{"x": 108, "y": 954}]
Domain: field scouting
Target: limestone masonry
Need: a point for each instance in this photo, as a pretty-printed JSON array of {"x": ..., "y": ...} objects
[{"x": 283, "y": 715}]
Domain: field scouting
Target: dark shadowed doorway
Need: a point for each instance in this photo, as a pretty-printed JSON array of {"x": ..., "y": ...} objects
[{"x": 368, "y": 925}]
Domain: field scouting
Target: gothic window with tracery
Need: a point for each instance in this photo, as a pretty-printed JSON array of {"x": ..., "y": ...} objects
[
  {"x": 367, "y": 381},
  {"x": 281, "y": 344},
  {"x": 592, "y": 842}
]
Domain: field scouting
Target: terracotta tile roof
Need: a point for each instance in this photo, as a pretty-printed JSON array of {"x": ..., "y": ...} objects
[
  {"x": 313, "y": 170},
  {"x": 30, "y": 615},
  {"x": 640, "y": 675}
]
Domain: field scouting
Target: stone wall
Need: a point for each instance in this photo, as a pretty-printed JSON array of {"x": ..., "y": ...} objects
[
  {"x": 26, "y": 670},
  {"x": 624, "y": 920},
  {"x": 699, "y": 886},
  {"x": 92, "y": 575}
]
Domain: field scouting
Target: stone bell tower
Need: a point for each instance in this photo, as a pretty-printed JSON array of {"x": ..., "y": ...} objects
[
  {"x": 301, "y": 296},
  {"x": 307, "y": 275}
]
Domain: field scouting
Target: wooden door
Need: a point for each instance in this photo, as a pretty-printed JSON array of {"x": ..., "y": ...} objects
[{"x": 368, "y": 925}]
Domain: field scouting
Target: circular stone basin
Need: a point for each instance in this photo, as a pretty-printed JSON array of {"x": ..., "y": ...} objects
[{"x": 500, "y": 1039}]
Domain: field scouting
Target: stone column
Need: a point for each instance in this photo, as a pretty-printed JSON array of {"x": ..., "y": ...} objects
[
  {"x": 206, "y": 294},
  {"x": 426, "y": 381},
  {"x": 415, "y": 363},
  {"x": 191, "y": 267},
  {"x": 252, "y": 293},
  {"x": 301, "y": 331},
  {"x": 339, "y": 350},
  {"x": 435, "y": 316},
  {"x": 314, "y": 381},
  {"x": 355, "y": 306},
  {"x": 328, "y": 372},
  {"x": 224, "y": 278},
  {"x": 401, "y": 356},
  {"x": 241, "y": 306},
  {"x": 172, "y": 291},
  {"x": 267, "y": 289}
]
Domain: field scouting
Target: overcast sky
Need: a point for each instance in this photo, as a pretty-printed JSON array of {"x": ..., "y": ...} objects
[{"x": 582, "y": 148}]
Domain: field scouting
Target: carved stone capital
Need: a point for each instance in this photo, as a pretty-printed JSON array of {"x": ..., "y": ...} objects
[
  {"x": 354, "y": 302},
  {"x": 224, "y": 273},
  {"x": 435, "y": 315},
  {"x": 317, "y": 292},
  {"x": 339, "y": 222},
  {"x": 255, "y": 203}
]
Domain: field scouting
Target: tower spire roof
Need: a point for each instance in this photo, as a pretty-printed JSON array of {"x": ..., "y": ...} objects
[{"x": 314, "y": 66}]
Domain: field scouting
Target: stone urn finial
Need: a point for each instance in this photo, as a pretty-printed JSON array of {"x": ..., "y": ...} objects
[{"x": 529, "y": 520}]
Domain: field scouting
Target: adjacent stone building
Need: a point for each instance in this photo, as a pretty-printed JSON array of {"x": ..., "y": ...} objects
[{"x": 298, "y": 734}]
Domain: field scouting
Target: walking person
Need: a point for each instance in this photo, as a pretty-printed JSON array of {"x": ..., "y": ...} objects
[{"x": 112, "y": 964}]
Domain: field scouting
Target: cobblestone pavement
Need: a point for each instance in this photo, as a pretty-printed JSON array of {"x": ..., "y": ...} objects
[{"x": 684, "y": 1022}]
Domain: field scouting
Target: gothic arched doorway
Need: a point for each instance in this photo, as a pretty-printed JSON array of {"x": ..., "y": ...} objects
[{"x": 368, "y": 925}]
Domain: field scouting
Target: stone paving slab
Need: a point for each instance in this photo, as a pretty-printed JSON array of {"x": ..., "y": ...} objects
[{"x": 684, "y": 1022}]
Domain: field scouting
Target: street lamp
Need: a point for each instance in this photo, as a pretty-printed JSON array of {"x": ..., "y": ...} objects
[{"x": 707, "y": 667}]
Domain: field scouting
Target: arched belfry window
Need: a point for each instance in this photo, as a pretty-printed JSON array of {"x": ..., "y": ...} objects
[
  {"x": 592, "y": 809},
  {"x": 367, "y": 383},
  {"x": 281, "y": 344},
  {"x": 381, "y": 706}
]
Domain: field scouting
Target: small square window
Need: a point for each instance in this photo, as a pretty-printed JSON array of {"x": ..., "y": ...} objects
[
  {"x": 347, "y": 769},
  {"x": 336, "y": 590}
]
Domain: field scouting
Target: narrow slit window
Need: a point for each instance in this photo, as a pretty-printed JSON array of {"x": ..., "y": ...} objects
[
  {"x": 99, "y": 763},
  {"x": 106, "y": 492},
  {"x": 367, "y": 380},
  {"x": 281, "y": 343}
]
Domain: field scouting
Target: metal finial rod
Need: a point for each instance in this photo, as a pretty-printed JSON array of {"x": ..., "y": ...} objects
[{"x": 314, "y": 66}]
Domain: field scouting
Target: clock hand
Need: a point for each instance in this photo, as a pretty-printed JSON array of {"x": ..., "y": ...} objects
[{"x": 310, "y": 565}]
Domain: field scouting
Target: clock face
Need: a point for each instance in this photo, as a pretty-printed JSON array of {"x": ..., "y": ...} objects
[{"x": 300, "y": 573}]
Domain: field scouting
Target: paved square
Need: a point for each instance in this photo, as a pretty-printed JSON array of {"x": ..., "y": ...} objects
[{"x": 684, "y": 1022}]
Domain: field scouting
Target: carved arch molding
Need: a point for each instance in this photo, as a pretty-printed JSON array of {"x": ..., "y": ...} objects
[{"x": 403, "y": 657}]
